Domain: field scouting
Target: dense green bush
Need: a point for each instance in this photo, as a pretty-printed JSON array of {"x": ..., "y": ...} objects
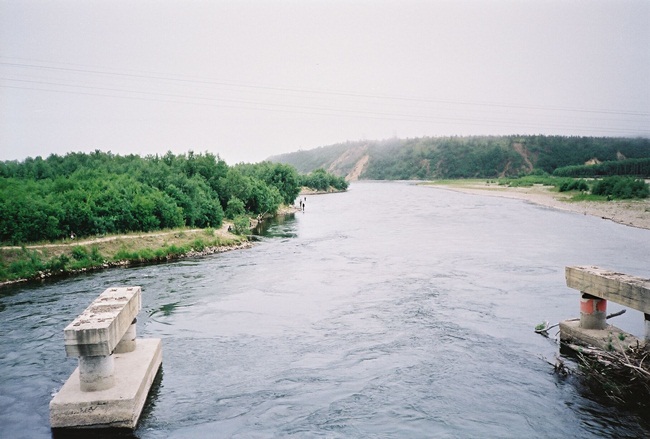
[
  {"x": 531, "y": 180},
  {"x": 101, "y": 193},
  {"x": 574, "y": 185},
  {"x": 235, "y": 208},
  {"x": 322, "y": 181},
  {"x": 284, "y": 178},
  {"x": 621, "y": 187},
  {"x": 241, "y": 225}
]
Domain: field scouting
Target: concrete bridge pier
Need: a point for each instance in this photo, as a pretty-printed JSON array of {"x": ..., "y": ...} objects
[
  {"x": 128, "y": 342},
  {"x": 96, "y": 373},
  {"x": 597, "y": 286},
  {"x": 593, "y": 312},
  {"x": 116, "y": 370}
]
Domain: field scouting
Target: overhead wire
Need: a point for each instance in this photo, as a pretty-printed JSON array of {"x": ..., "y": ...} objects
[
  {"x": 288, "y": 93},
  {"x": 338, "y": 112},
  {"x": 198, "y": 81}
]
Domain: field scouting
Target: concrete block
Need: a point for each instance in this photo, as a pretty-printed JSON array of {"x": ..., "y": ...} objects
[
  {"x": 102, "y": 325},
  {"x": 620, "y": 288},
  {"x": 605, "y": 339},
  {"x": 117, "y": 407}
]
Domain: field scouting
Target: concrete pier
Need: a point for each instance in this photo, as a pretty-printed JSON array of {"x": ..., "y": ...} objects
[
  {"x": 96, "y": 373},
  {"x": 116, "y": 369},
  {"x": 597, "y": 286},
  {"x": 593, "y": 312}
]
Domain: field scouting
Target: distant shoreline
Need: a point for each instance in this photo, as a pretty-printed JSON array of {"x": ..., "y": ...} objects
[
  {"x": 142, "y": 248},
  {"x": 633, "y": 213},
  {"x": 180, "y": 243}
]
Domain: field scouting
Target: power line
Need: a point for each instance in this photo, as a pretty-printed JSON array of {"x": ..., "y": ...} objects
[
  {"x": 204, "y": 98},
  {"x": 149, "y": 76},
  {"x": 313, "y": 110}
]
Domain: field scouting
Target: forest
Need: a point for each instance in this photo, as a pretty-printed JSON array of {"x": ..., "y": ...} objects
[
  {"x": 427, "y": 158},
  {"x": 101, "y": 193},
  {"x": 632, "y": 167}
]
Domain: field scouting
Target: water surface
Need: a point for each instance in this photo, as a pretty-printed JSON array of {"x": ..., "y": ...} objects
[{"x": 392, "y": 310}]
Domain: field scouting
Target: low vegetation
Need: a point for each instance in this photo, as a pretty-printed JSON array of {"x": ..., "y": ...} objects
[
  {"x": 608, "y": 188},
  {"x": 80, "y": 195},
  {"x": 72, "y": 256},
  {"x": 620, "y": 187},
  {"x": 87, "y": 211}
]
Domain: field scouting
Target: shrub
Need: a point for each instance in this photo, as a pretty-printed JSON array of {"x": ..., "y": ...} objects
[
  {"x": 241, "y": 225},
  {"x": 58, "y": 263},
  {"x": 125, "y": 255},
  {"x": 574, "y": 185},
  {"x": 235, "y": 208},
  {"x": 95, "y": 256},
  {"x": 79, "y": 253},
  {"x": 146, "y": 254},
  {"x": 621, "y": 187}
]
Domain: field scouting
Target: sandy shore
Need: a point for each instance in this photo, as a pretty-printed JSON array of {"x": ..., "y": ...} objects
[{"x": 631, "y": 213}]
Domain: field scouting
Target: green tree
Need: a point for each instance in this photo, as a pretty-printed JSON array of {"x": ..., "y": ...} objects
[{"x": 235, "y": 208}]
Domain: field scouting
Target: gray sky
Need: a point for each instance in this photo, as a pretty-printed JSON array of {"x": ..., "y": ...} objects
[{"x": 249, "y": 79}]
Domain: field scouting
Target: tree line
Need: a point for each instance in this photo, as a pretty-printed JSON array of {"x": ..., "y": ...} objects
[
  {"x": 100, "y": 193},
  {"x": 632, "y": 167},
  {"x": 427, "y": 158},
  {"x": 321, "y": 180}
]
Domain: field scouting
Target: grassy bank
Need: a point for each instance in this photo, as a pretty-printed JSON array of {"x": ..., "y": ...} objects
[{"x": 52, "y": 259}]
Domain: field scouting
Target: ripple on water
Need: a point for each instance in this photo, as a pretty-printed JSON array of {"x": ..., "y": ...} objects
[{"x": 390, "y": 311}]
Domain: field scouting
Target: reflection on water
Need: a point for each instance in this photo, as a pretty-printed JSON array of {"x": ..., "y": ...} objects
[
  {"x": 279, "y": 227},
  {"x": 166, "y": 309},
  {"x": 388, "y": 311}
]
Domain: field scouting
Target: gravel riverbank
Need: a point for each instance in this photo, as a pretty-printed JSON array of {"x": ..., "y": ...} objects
[{"x": 634, "y": 213}]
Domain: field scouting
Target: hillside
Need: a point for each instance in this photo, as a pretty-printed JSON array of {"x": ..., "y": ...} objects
[{"x": 462, "y": 157}]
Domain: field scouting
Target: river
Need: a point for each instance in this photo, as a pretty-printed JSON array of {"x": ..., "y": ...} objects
[{"x": 389, "y": 311}]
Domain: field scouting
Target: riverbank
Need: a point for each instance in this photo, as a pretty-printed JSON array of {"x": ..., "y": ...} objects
[
  {"x": 40, "y": 261},
  {"x": 69, "y": 257},
  {"x": 330, "y": 190},
  {"x": 634, "y": 213}
]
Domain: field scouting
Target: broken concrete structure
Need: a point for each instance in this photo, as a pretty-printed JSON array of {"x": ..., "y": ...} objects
[
  {"x": 116, "y": 370},
  {"x": 597, "y": 286}
]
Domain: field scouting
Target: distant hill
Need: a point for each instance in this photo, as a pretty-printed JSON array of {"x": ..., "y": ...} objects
[{"x": 462, "y": 157}]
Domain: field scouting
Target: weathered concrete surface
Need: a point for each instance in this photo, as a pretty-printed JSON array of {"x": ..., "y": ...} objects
[
  {"x": 128, "y": 341},
  {"x": 593, "y": 312},
  {"x": 117, "y": 407},
  {"x": 101, "y": 326},
  {"x": 621, "y": 288},
  {"x": 605, "y": 339},
  {"x": 96, "y": 373}
]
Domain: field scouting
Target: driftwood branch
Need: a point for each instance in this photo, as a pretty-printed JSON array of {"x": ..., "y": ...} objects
[
  {"x": 545, "y": 329},
  {"x": 624, "y": 374}
]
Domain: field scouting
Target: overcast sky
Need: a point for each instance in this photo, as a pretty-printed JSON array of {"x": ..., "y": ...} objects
[{"x": 249, "y": 79}]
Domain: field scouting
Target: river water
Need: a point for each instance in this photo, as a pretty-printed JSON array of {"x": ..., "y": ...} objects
[{"x": 389, "y": 311}]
